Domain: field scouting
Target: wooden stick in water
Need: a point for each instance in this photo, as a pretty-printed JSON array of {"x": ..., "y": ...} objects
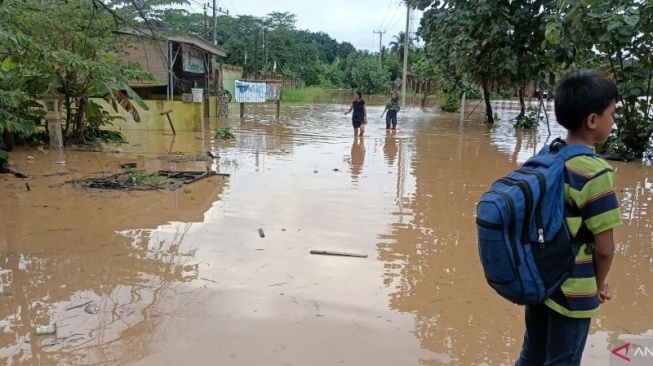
[{"x": 342, "y": 254}]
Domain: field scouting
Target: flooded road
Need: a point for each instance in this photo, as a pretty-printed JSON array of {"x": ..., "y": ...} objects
[{"x": 184, "y": 278}]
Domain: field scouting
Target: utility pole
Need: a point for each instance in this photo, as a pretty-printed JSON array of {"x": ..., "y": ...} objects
[
  {"x": 265, "y": 48},
  {"x": 405, "y": 70},
  {"x": 380, "y": 43},
  {"x": 215, "y": 22},
  {"x": 216, "y": 10},
  {"x": 206, "y": 22},
  {"x": 256, "y": 54}
]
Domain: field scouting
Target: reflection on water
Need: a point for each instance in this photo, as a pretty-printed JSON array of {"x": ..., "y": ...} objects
[
  {"x": 357, "y": 157},
  {"x": 390, "y": 146},
  {"x": 180, "y": 276}
]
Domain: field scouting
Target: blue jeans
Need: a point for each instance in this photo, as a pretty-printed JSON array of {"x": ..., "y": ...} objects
[
  {"x": 552, "y": 339},
  {"x": 391, "y": 119}
]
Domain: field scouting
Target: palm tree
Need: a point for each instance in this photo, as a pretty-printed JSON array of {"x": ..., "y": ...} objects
[{"x": 397, "y": 45}]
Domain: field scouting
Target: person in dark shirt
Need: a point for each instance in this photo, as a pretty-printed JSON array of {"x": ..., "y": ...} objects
[{"x": 359, "y": 117}]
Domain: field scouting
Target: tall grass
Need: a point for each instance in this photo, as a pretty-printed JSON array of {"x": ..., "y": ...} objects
[{"x": 301, "y": 95}]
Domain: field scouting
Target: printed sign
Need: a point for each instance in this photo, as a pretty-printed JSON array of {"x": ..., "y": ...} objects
[
  {"x": 192, "y": 61},
  {"x": 632, "y": 350}
]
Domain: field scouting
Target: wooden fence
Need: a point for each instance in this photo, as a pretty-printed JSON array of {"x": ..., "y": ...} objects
[{"x": 286, "y": 82}]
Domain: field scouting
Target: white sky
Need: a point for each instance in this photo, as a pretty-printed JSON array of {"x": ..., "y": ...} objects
[{"x": 350, "y": 21}]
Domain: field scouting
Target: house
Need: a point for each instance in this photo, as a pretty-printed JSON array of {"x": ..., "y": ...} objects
[{"x": 180, "y": 62}]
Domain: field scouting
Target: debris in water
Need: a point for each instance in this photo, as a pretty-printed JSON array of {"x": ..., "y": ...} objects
[
  {"x": 27, "y": 186},
  {"x": 92, "y": 308},
  {"x": 140, "y": 180},
  {"x": 29, "y": 157},
  {"x": 336, "y": 169},
  {"x": 206, "y": 279},
  {"x": 184, "y": 159},
  {"x": 261, "y": 233},
  {"x": 118, "y": 151},
  {"x": 78, "y": 306},
  {"x": 61, "y": 162},
  {"x": 47, "y": 329},
  {"x": 342, "y": 254},
  {"x": 128, "y": 165}
]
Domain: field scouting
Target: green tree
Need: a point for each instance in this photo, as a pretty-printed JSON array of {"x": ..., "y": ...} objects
[
  {"x": 183, "y": 21},
  {"x": 615, "y": 36},
  {"x": 277, "y": 20},
  {"x": 397, "y": 46},
  {"x": 76, "y": 55},
  {"x": 19, "y": 89},
  {"x": 365, "y": 72},
  {"x": 473, "y": 35},
  {"x": 488, "y": 42}
]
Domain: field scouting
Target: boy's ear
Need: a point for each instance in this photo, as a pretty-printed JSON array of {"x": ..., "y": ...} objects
[{"x": 590, "y": 121}]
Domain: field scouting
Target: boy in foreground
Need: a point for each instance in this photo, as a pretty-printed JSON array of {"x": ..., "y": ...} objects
[{"x": 556, "y": 330}]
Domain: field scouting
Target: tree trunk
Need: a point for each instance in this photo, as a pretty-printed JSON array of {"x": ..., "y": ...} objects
[
  {"x": 68, "y": 106},
  {"x": 552, "y": 81},
  {"x": 522, "y": 112},
  {"x": 488, "y": 106},
  {"x": 79, "y": 119}
]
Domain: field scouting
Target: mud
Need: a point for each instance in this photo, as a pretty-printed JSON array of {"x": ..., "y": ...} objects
[{"x": 184, "y": 278}]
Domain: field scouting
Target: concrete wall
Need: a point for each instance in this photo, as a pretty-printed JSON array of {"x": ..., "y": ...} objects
[
  {"x": 185, "y": 116},
  {"x": 229, "y": 76}
]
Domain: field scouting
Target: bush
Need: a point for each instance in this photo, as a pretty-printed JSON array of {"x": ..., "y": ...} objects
[
  {"x": 473, "y": 93},
  {"x": 448, "y": 102},
  {"x": 224, "y": 133},
  {"x": 615, "y": 145},
  {"x": 502, "y": 95},
  {"x": 531, "y": 120}
]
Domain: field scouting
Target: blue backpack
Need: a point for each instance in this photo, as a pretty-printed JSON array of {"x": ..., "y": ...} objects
[{"x": 524, "y": 244}]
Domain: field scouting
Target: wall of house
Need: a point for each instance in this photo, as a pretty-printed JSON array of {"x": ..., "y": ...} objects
[
  {"x": 185, "y": 116},
  {"x": 149, "y": 54}
]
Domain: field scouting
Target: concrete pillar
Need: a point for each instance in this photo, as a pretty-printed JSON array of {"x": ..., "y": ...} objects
[{"x": 56, "y": 136}]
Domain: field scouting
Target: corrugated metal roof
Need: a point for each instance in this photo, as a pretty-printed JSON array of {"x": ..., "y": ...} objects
[
  {"x": 201, "y": 43},
  {"x": 166, "y": 34}
]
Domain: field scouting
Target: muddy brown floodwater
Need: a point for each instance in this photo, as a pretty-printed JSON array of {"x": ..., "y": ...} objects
[{"x": 183, "y": 277}]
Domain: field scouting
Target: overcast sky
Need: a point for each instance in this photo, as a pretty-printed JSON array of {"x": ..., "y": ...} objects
[{"x": 350, "y": 21}]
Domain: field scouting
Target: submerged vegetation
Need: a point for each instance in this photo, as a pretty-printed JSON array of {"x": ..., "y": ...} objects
[{"x": 224, "y": 133}]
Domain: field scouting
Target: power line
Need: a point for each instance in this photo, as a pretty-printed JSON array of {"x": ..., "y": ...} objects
[
  {"x": 395, "y": 16},
  {"x": 233, "y": 7},
  {"x": 386, "y": 13},
  {"x": 196, "y": 2}
]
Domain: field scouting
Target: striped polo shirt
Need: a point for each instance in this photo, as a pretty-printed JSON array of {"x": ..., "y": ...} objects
[{"x": 590, "y": 197}]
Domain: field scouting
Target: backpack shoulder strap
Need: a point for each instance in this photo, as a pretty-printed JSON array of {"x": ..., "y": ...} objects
[
  {"x": 570, "y": 151},
  {"x": 560, "y": 147}
]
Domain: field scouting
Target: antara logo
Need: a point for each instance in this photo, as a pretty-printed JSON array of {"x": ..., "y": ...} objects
[
  {"x": 622, "y": 351},
  {"x": 636, "y": 351}
]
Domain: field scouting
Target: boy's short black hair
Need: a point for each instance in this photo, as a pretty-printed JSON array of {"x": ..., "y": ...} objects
[{"x": 581, "y": 93}]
